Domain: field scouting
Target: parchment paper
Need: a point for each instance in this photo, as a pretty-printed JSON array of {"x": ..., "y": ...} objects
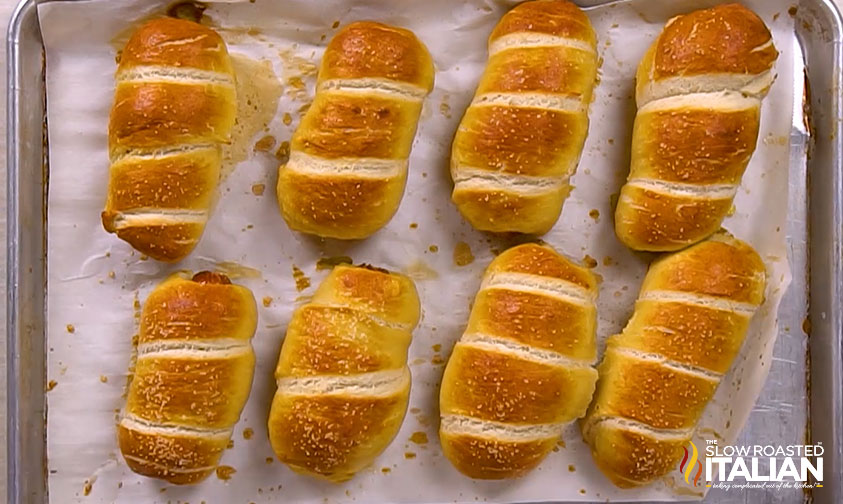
[{"x": 96, "y": 281}]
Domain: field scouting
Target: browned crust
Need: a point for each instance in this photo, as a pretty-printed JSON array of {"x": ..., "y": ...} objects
[
  {"x": 690, "y": 334},
  {"x": 486, "y": 383},
  {"x": 182, "y": 181},
  {"x": 694, "y": 145},
  {"x": 179, "y": 309},
  {"x": 726, "y": 268},
  {"x": 389, "y": 296},
  {"x": 503, "y": 388},
  {"x": 652, "y": 221},
  {"x": 367, "y": 49},
  {"x": 564, "y": 71},
  {"x": 177, "y": 43},
  {"x": 654, "y": 394},
  {"x": 501, "y": 211},
  {"x": 164, "y": 242},
  {"x": 522, "y": 140},
  {"x": 149, "y": 115},
  {"x": 349, "y": 125},
  {"x": 519, "y": 140},
  {"x": 196, "y": 392},
  {"x": 537, "y": 320},
  {"x": 650, "y": 392},
  {"x": 542, "y": 260},
  {"x": 559, "y": 18},
  {"x": 339, "y": 341},
  {"x": 333, "y": 436},
  {"x": 347, "y": 207},
  {"x": 631, "y": 459},
  {"x": 171, "y": 458},
  {"x": 489, "y": 459},
  {"x": 191, "y": 390},
  {"x": 153, "y": 116},
  {"x": 716, "y": 40}
]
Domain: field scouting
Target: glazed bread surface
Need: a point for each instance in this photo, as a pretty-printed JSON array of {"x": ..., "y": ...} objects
[
  {"x": 349, "y": 156},
  {"x": 520, "y": 140},
  {"x": 174, "y": 104},
  {"x": 191, "y": 379},
  {"x": 657, "y": 376},
  {"x": 699, "y": 90},
  {"x": 343, "y": 380},
  {"x": 524, "y": 366}
]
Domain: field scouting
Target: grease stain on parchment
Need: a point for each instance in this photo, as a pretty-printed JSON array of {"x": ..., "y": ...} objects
[
  {"x": 258, "y": 93},
  {"x": 421, "y": 271},
  {"x": 234, "y": 270}
]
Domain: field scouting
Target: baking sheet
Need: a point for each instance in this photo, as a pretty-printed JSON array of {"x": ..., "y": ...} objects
[{"x": 96, "y": 280}]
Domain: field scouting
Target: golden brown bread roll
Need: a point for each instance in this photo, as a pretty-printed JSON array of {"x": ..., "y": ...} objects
[
  {"x": 520, "y": 140},
  {"x": 174, "y": 104},
  {"x": 343, "y": 380},
  {"x": 191, "y": 379},
  {"x": 523, "y": 368},
  {"x": 656, "y": 377},
  {"x": 348, "y": 157},
  {"x": 699, "y": 91}
]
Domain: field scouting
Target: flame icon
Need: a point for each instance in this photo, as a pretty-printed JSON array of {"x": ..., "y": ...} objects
[{"x": 687, "y": 466}]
